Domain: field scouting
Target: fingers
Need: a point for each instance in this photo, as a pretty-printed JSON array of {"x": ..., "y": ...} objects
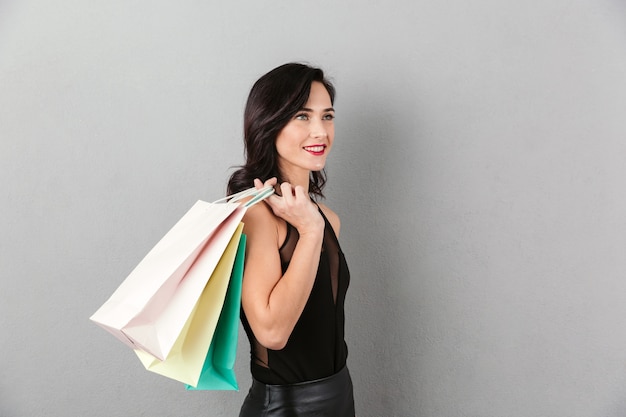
[
  {"x": 287, "y": 192},
  {"x": 258, "y": 184},
  {"x": 277, "y": 201},
  {"x": 290, "y": 198},
  {"x": 294, "y": 205},
  {"x": 298, "y": 192},
  {"x": 269, "y": 183}
]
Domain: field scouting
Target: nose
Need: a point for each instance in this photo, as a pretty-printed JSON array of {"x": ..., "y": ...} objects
[{"x": 318, "y": 130}]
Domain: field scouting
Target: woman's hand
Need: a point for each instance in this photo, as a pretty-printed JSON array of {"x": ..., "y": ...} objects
[{"x": 294, "y": 206}]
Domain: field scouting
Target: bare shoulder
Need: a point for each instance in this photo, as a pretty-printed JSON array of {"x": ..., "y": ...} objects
[
  {"x": 332, "y": 217},
  {"x": 260, "y": 223}
]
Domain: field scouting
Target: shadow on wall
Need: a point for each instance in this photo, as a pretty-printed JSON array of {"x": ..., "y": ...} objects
[
  {"x": 5, "y": 413},
  {"x": 619, "y": 409},
  {"x": 4, "y": 404},
  {"x": 384, "y": 133}
]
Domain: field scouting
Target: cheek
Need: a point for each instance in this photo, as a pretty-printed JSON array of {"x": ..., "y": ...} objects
[
  {"x": 289, "y": 134},
  {"x": 331, "y": 135},
  {"x": 282, "y": 140},
  {"x": 285, "y": 148}
]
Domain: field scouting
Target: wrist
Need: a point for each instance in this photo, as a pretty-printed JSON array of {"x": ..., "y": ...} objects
[{"x": 314, "y": 231}]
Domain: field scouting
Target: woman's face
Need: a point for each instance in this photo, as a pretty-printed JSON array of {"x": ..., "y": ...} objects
[{"x": 304, "y": 143}]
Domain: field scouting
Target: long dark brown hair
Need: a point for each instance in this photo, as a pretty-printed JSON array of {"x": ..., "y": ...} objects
[{"x": 274, "y": 100}]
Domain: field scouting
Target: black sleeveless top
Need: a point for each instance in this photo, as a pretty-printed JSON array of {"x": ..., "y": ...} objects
[{"x": 316, "y": 348}]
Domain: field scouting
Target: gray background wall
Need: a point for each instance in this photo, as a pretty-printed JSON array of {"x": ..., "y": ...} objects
[{"x": 479, "y": 170}]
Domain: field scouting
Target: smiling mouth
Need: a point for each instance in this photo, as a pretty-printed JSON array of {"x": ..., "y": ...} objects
[{"x": 317, "y": 149}]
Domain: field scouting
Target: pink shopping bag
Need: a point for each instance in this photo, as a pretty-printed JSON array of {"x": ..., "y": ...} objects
[{"x": 149, "y": 309}]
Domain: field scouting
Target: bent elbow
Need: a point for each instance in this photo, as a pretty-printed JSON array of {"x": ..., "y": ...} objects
[
  {"x": 278, "y": 345},
  {"x": 273, "y": 340}
]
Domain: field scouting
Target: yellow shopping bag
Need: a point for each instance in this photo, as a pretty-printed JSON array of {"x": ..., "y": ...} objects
[
  {"x": 150, "y": 309},
  {"x": 186, "y": 359}
]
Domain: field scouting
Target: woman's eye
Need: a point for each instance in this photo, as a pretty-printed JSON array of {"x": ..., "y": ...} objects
[
  {"x": 329, "y": 117},
  {"x": 302, "y": 116}
]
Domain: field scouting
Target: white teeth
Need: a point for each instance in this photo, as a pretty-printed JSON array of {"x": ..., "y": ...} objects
[{"x": 314, "y": 148}]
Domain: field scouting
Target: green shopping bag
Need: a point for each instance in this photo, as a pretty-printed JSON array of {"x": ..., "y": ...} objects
[{"x": 218, "y": 370}]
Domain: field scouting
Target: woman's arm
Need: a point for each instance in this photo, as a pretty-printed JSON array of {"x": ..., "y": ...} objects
[{"x": 273, "y": 301}]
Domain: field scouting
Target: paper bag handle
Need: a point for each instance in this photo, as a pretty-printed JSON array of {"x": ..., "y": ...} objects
[{"x": 259, "y": 195}]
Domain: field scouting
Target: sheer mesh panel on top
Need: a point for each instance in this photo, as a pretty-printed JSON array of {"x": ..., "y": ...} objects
[{"x": 330, "y": 250}]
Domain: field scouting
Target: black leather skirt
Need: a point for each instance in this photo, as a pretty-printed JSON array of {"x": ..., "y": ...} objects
[{"x": 328, "y": 397}]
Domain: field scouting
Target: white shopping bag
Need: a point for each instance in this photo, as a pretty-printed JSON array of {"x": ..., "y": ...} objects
[{"x": 149, "y": 309}]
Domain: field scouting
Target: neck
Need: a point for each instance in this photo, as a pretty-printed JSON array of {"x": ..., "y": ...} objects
[{"x": 300, "y": 178}]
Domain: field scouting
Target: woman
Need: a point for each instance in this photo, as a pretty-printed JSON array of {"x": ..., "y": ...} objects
[{"x": 295, "y": 277}]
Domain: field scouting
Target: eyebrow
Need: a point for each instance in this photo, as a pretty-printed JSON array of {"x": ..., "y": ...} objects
[{"x": 311, "y": 110}]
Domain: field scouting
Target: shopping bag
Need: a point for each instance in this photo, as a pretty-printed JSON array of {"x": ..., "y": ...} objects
[
  {"x": 149, "y": 310},
  {"x": 185, "y": 361},
  {"x": 218, "y": 370}
]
